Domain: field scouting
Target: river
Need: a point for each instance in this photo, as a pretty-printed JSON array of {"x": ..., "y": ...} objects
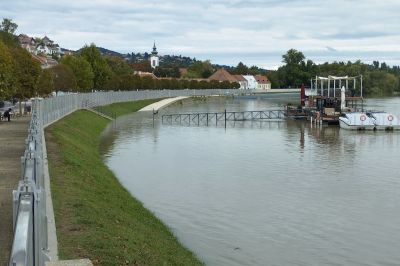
[{"x": 265, "y": 193}]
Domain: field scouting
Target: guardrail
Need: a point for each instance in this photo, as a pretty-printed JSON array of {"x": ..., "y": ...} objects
[
  {"x": 29, "y": 203},
  {"x": 30, "y": 221}
]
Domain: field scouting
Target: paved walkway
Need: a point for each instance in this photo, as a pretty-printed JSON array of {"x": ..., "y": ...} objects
[
  {"x": 163, "y": 103},
  {"x": 12, "y": 145}
]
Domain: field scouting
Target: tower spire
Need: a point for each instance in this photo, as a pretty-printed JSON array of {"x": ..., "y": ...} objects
[{"x": 154, "y": 52}]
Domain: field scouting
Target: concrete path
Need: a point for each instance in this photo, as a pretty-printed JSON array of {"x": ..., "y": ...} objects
[
  {"x": 163, "y": 103},
  {"x": 12, "y": 146}
]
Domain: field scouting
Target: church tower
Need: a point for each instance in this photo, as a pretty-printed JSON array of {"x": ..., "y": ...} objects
[{"x": 154, "y": 60}]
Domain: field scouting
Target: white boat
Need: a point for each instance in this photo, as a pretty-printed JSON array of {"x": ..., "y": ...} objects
[
  {"x": 384, "y": 121},
  {"x": 356, "y": 121}
]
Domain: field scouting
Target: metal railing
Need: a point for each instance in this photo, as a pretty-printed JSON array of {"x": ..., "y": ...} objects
[
  {"x": 29, "y": 203},
  {"x": 215, "y": 117},
  {"x": 30, "y": 243}
]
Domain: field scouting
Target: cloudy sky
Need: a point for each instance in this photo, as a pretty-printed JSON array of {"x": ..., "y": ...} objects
[{"x": 256, "y": 32}]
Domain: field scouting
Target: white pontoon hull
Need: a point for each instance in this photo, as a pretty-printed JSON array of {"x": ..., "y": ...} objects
[
  {"x": 387, "y": 127},
  {"x": 343, "y": 124}
]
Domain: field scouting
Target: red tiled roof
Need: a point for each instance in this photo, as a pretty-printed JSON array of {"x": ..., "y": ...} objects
[
  {"x": 144, "y": 74},
  {"x": 239, "y": 78},
  {"x": 222, "y": 75},
  {"x": 183, "y": 71},
  {"x": 262, "y": 79}
]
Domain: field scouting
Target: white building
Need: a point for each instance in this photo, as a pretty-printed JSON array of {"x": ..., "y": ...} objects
[
  {"x": 263, "y": 82},
  {"x": 242, "y": 82},
  {"x": 44, "y": 49},
  {"x": 154, "y": 60},
  {"x": 251, "y": 82}
]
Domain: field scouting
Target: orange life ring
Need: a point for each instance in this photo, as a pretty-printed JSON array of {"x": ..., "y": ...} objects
[
  {"x": 390, "y": 118},
  {"x": 363, "y": 117}
]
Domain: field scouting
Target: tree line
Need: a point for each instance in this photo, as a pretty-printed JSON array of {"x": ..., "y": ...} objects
[
  {"x": 378, "y": 79},
  {"x": 22, "y": 77}
]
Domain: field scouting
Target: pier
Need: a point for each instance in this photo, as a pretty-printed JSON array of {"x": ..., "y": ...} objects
[{"x": 211, "y": 118}]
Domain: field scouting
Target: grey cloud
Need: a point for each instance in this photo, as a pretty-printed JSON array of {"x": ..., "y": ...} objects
[
  {"x": 331, "y": 49},
  {"x": 253, "y": 31},
  {"x": 357, "y": 35}
]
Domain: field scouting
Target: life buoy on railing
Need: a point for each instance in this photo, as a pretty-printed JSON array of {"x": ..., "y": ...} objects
[
  {"x": 390, "y": 118},
  {"x": 363, "y": 117}
]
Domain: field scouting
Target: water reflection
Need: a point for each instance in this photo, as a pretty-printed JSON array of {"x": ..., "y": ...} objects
[{"x": 265, "y": 193}]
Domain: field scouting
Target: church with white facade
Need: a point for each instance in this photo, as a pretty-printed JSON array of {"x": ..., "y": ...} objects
[{"x": 154, "y": 59}]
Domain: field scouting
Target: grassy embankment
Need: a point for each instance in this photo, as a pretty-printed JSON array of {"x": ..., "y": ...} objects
[{"x": 95, "y": 216}]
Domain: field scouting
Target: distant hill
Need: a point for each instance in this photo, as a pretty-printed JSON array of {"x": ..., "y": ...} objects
[
  {"x": 165, "y": 60},
  {"x": 105, "y": 51}
]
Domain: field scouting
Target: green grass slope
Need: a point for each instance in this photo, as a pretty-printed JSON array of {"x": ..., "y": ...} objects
[{"x": 95, "y": 216}]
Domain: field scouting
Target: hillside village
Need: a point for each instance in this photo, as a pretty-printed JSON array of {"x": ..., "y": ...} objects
[{"x": 43, "y": 49}]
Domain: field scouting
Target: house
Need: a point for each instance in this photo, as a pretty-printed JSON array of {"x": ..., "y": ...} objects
[
  {"x": 222, "y": 75},
  {"x": 144, "y": 74},
  {"x": 263, "y": 82},
  {"x": 55, "y": 49},
  {"x": 46, "y": 41},
  {"x": 251, "y": 82},
  {"x": 25, "y": 39},
  {"x": 28, "y": 43},
  {"x": 43, "y": 49},
  {"x": 30, "y": 48},
  {"x": 242, "y": 82}
]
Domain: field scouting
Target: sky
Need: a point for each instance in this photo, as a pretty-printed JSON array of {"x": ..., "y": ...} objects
[{"x": 255, "y": 32}]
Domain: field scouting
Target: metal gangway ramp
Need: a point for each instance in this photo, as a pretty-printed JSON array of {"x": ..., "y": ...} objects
[{"x": 210, "y": 118}]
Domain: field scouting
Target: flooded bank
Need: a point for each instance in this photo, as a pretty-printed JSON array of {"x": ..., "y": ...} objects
[{"x": 265, "y": 193}]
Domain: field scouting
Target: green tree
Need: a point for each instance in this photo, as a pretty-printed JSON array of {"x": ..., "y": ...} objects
[
  {"x": 7, "y": 77},
  {"x": 200, "y": 69},
  {"x": 292, "y": 73},
  {"x": 63, "y": 78},
  {"x": 293, "y": 57},
  {"x": 45, "y": 83},
  {"x": 7, "y": 25},
  {"x": 113, "y": 82},
  {"x": 7, "y": 29},
  {"x": 380, "y": 83},
  {"x": 118, "y": 65},
  {"x": 101, "y": 70},
  {"x": 241, "y": 69},
  {"x": 27, "y": 71},
  {"x": 147, "y": 83},
  {"x": 167, "y": 71},
  {"x": 143, "y": 66},
  {"x": 82, "y": 71}
]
